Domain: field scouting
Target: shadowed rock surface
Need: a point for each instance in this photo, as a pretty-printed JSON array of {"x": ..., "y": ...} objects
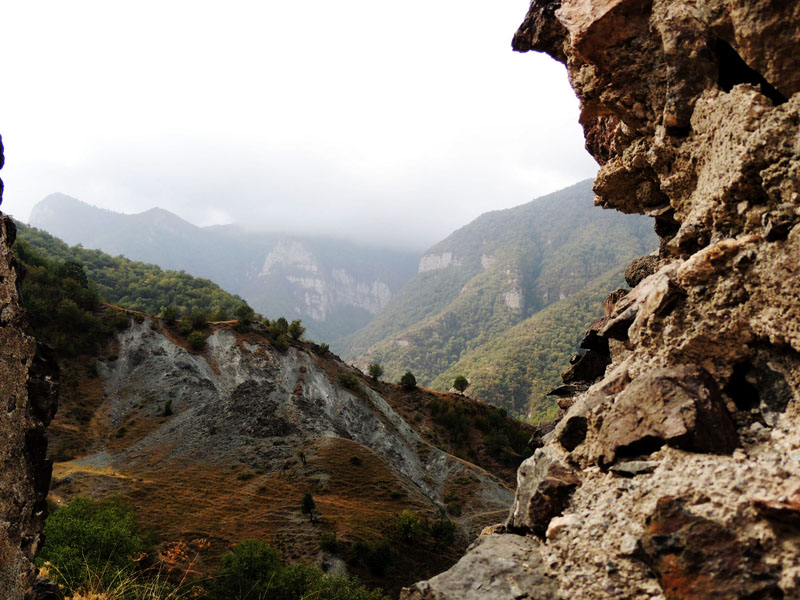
[
  {"x": 692, "y": 110},
  {"x": 28, "y": 379}
]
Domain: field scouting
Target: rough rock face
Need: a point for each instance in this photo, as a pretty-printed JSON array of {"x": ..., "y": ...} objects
[
  {"x": 28, "y": 379},
  {"x": 686, "y": 449}
]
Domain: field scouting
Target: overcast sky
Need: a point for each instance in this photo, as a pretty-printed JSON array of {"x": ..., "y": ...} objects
[{"x": 387, "y": 122}]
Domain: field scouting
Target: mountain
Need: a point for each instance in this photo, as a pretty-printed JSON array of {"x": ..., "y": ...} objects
[
  {"x": 492, "y": 275},
  {"x": 221, "y": 443},
  {"x": 334, "y": 286}
]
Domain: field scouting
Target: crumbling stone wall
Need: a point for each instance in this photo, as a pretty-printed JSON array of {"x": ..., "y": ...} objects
[
  {"x": 674, "y": 472},
  {"x": 28, "y": 400}
]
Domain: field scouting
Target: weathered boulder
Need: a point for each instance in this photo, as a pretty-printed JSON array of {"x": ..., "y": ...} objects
[
  {"x": 680, "y": 407},
  {"x": 500, "y": 567},
  {"x": 544, "y": 485}
]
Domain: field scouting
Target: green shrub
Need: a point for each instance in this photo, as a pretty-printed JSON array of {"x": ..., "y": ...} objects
[
  {"x": 199, "y": 319},
  {"x": 375, "y": 371},
  {"x": 170, "y": 314},
  {"x": 296, "y": 329},
  {"x": 408, "y": 381},
  {"x": 281, "y": 343},
  {"x": 460, "y": 383},
  {"x": 184, "y": 327},
  {"x": 254, "y": 571},
  {"x": 409, "y": 525},
  {"x": 167, "y": 411},
  {"x": 355, "y": 460},
  {"x": 197, "y": 340},
  {"x": 348, "y": 380},
  {"x": 90, "y": 537},
  {"x": 328, "y": 542}
]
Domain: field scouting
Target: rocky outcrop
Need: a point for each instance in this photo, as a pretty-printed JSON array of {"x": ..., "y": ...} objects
[
  {"x": 685, "y": 450},
  {"x": 28, "y": 378}
]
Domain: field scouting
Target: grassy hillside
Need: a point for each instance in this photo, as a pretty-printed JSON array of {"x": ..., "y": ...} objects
[{"x": 495, "y": 274}]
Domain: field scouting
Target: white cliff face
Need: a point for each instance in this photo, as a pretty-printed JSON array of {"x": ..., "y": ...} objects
[
  {"x": 435, "y": 262},
  {"x": 317, "y": 290}
]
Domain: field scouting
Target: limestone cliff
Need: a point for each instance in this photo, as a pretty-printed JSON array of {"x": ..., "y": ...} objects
[
  {"x": 27, "y": 379},
  {"x": 676, "y": 474}
]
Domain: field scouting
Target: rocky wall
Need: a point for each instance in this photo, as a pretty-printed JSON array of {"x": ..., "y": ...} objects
[
  {"x": 674, "y": 471},
  {"x": 28, "y": 385}
]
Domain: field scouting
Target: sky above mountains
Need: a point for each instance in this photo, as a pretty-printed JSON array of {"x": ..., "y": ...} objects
[{"x": 391, "y": 123}]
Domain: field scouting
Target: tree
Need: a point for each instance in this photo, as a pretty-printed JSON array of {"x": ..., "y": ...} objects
[
  {"x": 245, "y": 314},
  {"x": 409, "y": 525},
  {"x": 197, "y": 340},
  {"x": 308, "y": 506},
  {"x": 170, "y": 314},
  {"x": 199, "y": 319},
  {"x": 281, "y": 325},
  {"x": 408, "y": 381},
  {"x": 375, "y": 371},
  {"x": 461, "y": 384},
  {"x": 296, "y": 329}
]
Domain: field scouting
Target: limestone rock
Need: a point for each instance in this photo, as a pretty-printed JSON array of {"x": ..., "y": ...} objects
[
  {"x": 681, "y": 407},
  {"x": 500, "y": 567},
  {"x": 544, "y": 484},
  {"x": 697, "y": 558}
]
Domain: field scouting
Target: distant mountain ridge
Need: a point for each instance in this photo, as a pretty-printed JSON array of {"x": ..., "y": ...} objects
[
  {"x": 490, "y": 276},
  {"x": 334, "y": 286}
]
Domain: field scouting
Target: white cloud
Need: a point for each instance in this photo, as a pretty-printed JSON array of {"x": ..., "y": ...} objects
[{"x": 310, "y": 114}]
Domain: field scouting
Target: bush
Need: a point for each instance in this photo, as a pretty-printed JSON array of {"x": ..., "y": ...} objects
[
  {"x": 375, "y": 371},
  {"x": 356, "y": 461},
  {"x": 408, "y": 381},
  {"x": 308, "y": 506},
  {"x": 296, "y": 329},
  {"x": 281, "y": 343},
  {"x": 199, "y": 319},
  {"x": 409, "y": 525},
  {"x": 254, "y": 571},
  {"x": 184, "y": 327},
  {"x": 197, "y": 340},
  {"x": 460, "y": 383},
  {"x": 377, "y": 558},
  {"x": 90, "y": 538},
  {"x": 348, "y": 380},
  {"x": 328, "y": 542},
  {"x": 167, "y": 408}
]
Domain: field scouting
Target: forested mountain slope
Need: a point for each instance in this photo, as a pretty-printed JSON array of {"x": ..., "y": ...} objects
[
  {"x": 334, "y": 286},
  {"x": 494, "y": 274}
]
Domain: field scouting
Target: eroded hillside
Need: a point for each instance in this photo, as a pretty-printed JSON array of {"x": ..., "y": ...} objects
[{"x": 222, "y": 443}]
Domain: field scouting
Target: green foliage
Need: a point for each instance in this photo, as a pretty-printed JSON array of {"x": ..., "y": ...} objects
[
  {"x": 254, "y": 571},
  {"x": 125, "y": 282},
  {"x": 308, "y": 505},
  {"x": 90, "y": 537},
  {"x": 328, "y": 542},
  {"x": 281, "y": 325},
  {"x": 525, "y": 261},
  {"x": 409, "y": 525},
  {"x": 378, "y": 557},
  {"x": 348, "y": 381},
  {"x": 281, "y": 342},
  {"x": 167, "y": 408},
  {"x": 460, "y": 383},
  {"x": 197, "y": 340},
  {"x": 199, "y": 319},
  {"x": 170, "y": 314},
  {"x": 296, "y": 329},
  {"x": 375, "y": 371},
  {"x": 408, "y": 381},
  {"x": 245, "y": 314},
  {"x": 324, "y": 349},
  {"x": 184, "y": 327},
  {"x": 356, "y": 461}
]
